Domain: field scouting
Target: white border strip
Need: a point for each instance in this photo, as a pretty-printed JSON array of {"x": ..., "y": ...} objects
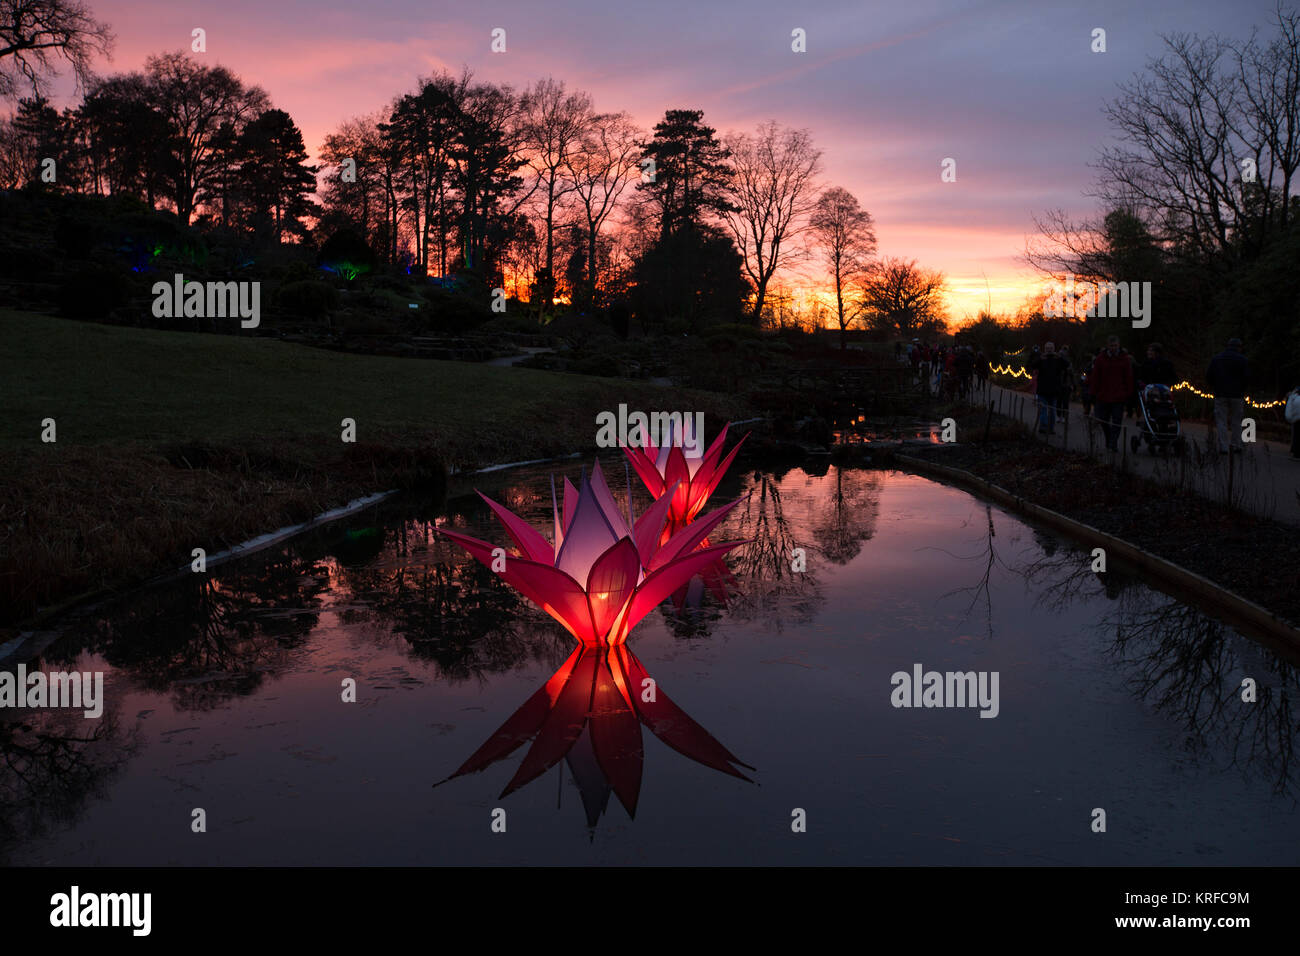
[{"x": 275, "y": 537}]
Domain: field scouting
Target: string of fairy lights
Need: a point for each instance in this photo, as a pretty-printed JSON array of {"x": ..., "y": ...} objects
[
  {"x": 1184, "y": 385},
  {"x": 1253, "y": 404}
]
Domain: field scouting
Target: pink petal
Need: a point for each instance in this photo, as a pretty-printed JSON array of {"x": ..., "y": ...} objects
[
  {"x": 646, "y": 470},
  {"x": 686, "y": 540},
  {"x": 674, "y": 727},
  {"x": 661, "y": 583},
  {"x": 649, "y": 526},
  {"x": 616, "y": 736},
  {"x": 608, "y": 506},
  {"x": 522, "y": 724},
  {"x": 587, "y": 537},
  {"x": 677, "y": 472},
  {"x": 611, "y": 583},
  {"x": 563, "y": 725},
  {"x": 548, "y": 587},
  {"x": 712, "y": 480},
  {"x": 528, "y": 540},
  {"x": 570, "y": 503}
]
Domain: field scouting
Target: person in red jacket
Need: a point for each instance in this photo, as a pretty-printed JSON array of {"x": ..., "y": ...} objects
[
  {"x": 949, "y": 390},
  {"x": 1111, "y": 383}
]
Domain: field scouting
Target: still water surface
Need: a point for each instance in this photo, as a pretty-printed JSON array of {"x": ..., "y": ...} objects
[{"x": 225, "y": 695}]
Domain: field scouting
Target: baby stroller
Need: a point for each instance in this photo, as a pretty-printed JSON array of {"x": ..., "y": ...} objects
[{"x": 1158, "y": 424}]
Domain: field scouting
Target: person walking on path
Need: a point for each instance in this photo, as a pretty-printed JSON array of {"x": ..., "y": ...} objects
[
  {"x": 1050, "y": 371},
  {"x": 1111, "y": 384},
  {"x": 1085, "y": 384},
  {"x": 965, "y": 371},
  {"x": 1226, "y": 377},
  {"x": 1292, "y": 414},
  {"x": 1067, "y": 383},
  {"x": 949, "y": 380},
  {"x": 1156, "y": 369}
]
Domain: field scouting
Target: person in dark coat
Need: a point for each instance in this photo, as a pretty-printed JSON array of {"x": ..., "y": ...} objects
[
  {"x": 1085, "y": 384},
  {"x": 1111, "y": 384},
  {"x": 1156, "y": 369},
  {"x": 1051, "y": 371},
  {"x": 1067, "y": 383},
  {"x": 1226, "y": 377},
  {"x": 1293, "y": 416},
  {"x": 965, "y": 370}
]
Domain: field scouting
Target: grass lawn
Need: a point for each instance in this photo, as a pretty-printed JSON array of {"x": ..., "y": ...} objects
[{"x": 174, "y": 440}]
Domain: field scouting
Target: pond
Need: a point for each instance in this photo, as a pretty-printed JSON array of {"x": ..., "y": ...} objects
[{"x": 768, "y": 734}]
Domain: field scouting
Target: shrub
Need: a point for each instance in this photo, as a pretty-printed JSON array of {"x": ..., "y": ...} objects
[
  {"x": 389, "y": 283},
  {"x": 734, "y": 331},
  {"x": 27, "y": 262},
  {"x": 454, "y": 311},
  {"x": 347, "y": 254},
  {"x": 93, "y": 291},
  {"x": 511, "y": 324},
  {"x": 74, "y": 239},
  {"x": 307, "y": 298}
]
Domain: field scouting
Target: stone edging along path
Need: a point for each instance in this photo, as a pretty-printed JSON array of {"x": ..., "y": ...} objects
[{"x": 1261, "y": 622}]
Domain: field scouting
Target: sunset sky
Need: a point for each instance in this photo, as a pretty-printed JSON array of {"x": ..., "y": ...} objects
[{"x": 1008, "y": 89}]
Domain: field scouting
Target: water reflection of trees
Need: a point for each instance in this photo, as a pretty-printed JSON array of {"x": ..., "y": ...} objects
[
  {"x": 1188, "y": 665},
  {"x": 450, "y": 609},
  {"x": 1191, "y": 666},
  {"x": 828, "y": 515},
  {"x": 52, "y": 762},
  {"x": 768, "y": 584},
  {"x": 697, "y": 614},
  {"x": 987, "y": 559},
  {"x": 208, "y": 638},
  {"x": 845, "y": 516}
]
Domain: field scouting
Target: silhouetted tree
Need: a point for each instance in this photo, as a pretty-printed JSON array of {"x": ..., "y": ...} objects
[
  {"x": 902, "y": 299},
  {"x": 694, "y": 275},
  {"x": 690, "y": 175},
  {"x": 772, "y": 191},
  {"x": 33, "y": 32},
  {"x": 552, "y": 125},
  {"x": 196, "y": 100},
  {"x": 422, "y": 132},
  {"x": 601, "y": 166},
  {"x": 846, "y": 236},
  {"x": 274, "y": 168},
  {"x": 126, "y": 140},
  {"x": 36, "y": 133},
  {"x": 487, "y": 158}
]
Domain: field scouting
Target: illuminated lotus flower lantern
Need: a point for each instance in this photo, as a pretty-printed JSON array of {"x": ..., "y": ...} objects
[
  {"x": 694, "y": 479},
  {"x": 590, "y": 714},
  {"x": 604, "y": 572}
]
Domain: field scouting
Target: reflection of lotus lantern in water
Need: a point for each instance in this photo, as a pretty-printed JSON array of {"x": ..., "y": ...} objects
[
  {"x": 690, "y": 480},
  {"x": 604, "y": 572},
  {"x": 591, "y": 711}
]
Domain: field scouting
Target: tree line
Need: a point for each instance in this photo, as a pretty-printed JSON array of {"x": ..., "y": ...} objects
[{"x": 532, "y": 189}]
